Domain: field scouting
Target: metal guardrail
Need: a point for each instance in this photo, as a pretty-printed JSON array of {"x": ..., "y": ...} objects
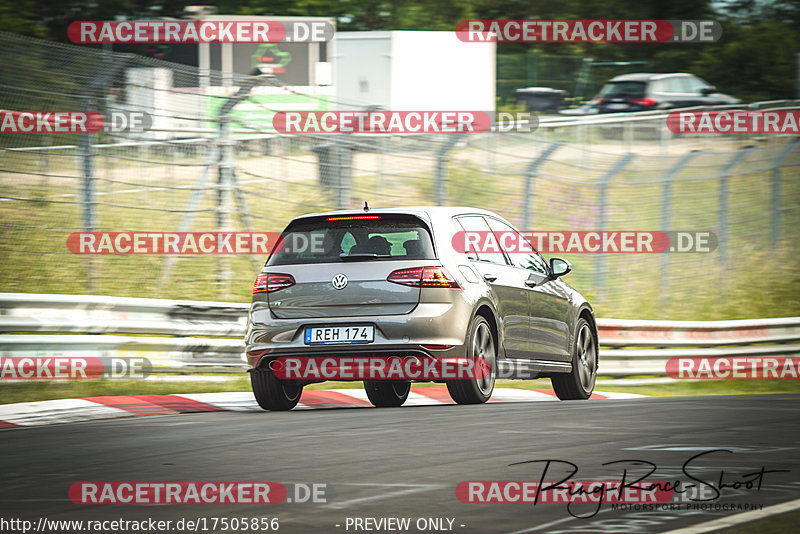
[
  {"x": 184, "y": 135},
  {"x": 175, "y": 335},
  {"x": 196, "y": 336}
]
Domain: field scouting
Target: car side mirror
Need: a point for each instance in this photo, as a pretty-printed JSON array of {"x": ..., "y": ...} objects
[
  {"x": 705, "y": 91},
  {"x": 559, "y": 267}
]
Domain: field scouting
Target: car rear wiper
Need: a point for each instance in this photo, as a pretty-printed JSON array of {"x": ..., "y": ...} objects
[{"x": 362, "y": 256}]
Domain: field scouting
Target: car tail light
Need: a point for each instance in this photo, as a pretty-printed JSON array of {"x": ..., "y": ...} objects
[
  {"x": 422, "y": 277},
  {"x": 648, "y": 102},
  {"x": 597, "y": 101},
  {"x": 353, "y": 218},
  {"x": 271, "y": 282}
]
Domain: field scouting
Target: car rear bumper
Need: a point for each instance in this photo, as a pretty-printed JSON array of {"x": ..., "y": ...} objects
[{"x": 395, "y": 335}]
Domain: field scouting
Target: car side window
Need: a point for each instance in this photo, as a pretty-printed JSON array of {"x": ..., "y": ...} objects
[
  {"x": 670, "y": 85},
  {"x": 530, "y": 261},
  {"x": 682, "y": 84},
  {"x": 658, "y": 86},
  {"x": 470, "y": 251},
  {"x": 534, "y": 262},
  {"x": 476, "y": 223},
  {"x": 695, "y": 85}
]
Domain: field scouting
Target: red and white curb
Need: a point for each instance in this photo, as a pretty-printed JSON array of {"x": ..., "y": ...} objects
[{"x": 26, "y": 414}]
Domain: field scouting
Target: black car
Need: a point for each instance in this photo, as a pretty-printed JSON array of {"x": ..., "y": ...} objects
[{"x": 646, "y": 92}]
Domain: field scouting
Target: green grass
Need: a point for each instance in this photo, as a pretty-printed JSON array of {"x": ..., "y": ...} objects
[
  {"x": 779, "y": 524},
  {"x": 758, "y": 278},
  {"x": 11, "y": 392}
]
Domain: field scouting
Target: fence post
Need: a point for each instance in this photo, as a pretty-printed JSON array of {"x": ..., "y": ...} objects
[
  {"x": 776, "y": 188},
  {"x": 44, "y": 161},
  {"x": 342, "y": 155},
  {"x": 666, "y": 212},
  {"x": 198, "y": 191},
  {"x": 582, "y": 132},
  {"x": 223, "y": 208},
  {"x": 627, "y": 132},
  {"x": 666, "y": 135},
  {"x": 532, "y": 70},
  {"x": 225, "y": 178},
  {"x": 530, "y": 173},
  {"x": 441, "y": 162},
  {"x": 600, "y": 268},
  {"x": 89, "y": 213},
  {"x": 723, "y": 202},
  {"x": 92, "y": 98}
]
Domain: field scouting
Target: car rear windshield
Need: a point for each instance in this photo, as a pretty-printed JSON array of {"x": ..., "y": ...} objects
[
  {"x": 632, "y": 89},
  {"x": 353, "y": 238}
]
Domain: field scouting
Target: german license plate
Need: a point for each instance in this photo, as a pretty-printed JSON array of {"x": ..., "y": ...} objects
[
  {"x": 617, "y": 106},
  {"x": 339, "y": 335}
]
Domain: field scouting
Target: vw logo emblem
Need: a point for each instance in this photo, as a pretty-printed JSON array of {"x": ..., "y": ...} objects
[{"x": 339, "y": 281}]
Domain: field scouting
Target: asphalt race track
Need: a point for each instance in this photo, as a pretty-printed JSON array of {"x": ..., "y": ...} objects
[{"x": 406, "y": 462}]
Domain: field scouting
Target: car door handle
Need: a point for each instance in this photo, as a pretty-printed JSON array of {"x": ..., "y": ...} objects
[
  {"x": 530, "y": 283},
  {"x": 489, "y": 277}
]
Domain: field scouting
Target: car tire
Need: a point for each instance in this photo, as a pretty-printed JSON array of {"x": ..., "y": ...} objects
[
  {"x": 481, "y": 343},
  {"x": 578, "y": 384},
  {"x": 272, "y": 393},
  {"x": 387, "y": 393}
]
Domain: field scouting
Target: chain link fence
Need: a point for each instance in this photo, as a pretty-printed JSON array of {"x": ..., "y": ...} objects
[{"x": 206, "y": 166}]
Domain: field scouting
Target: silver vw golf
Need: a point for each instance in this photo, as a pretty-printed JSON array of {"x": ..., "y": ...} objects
[{"x": 389, "y": 283}]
